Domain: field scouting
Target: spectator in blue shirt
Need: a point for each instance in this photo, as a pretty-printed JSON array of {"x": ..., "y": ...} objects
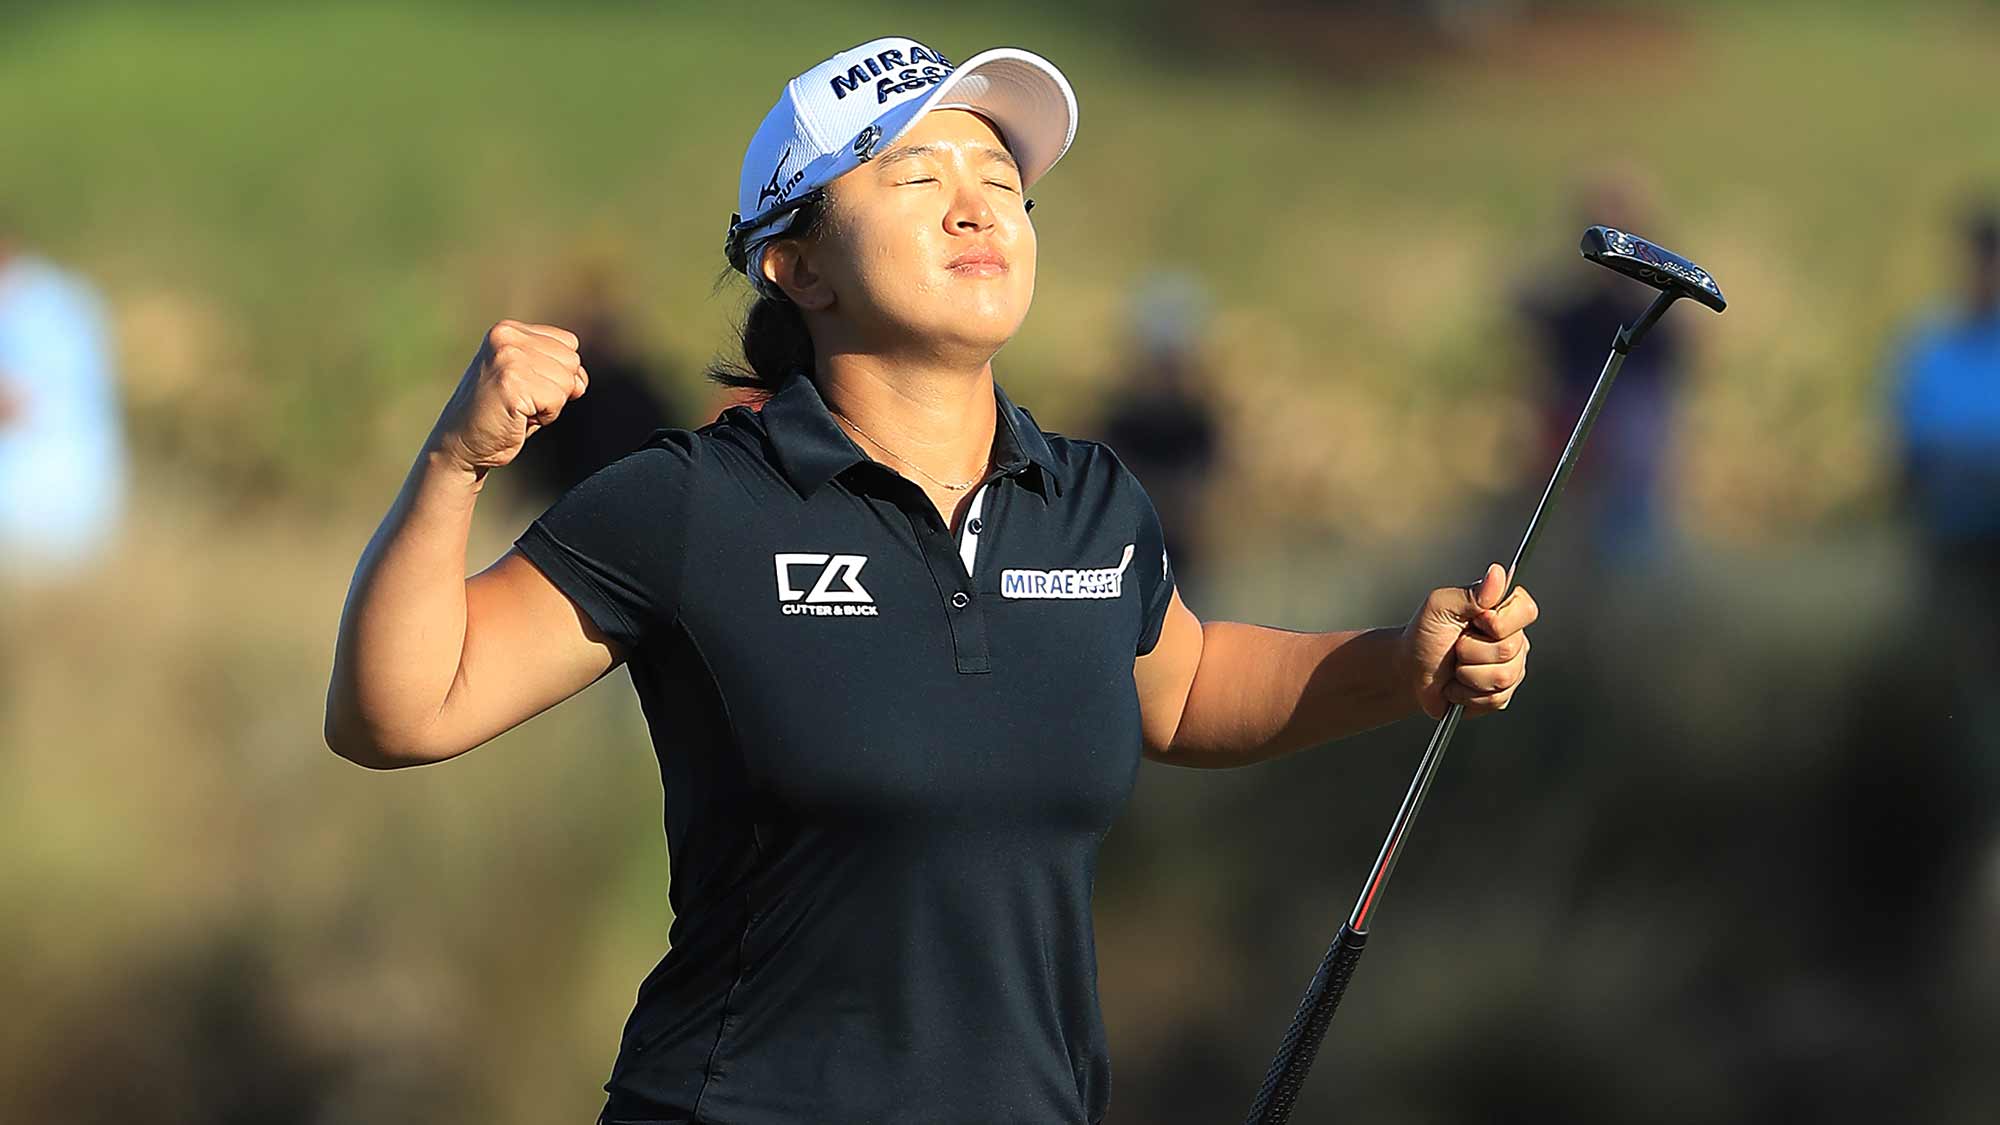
[
  {"x": 62, "y": 457},
  {"x": 1948, "y": 410}
]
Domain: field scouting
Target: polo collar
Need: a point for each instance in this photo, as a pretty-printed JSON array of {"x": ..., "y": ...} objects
[{"x": 812, "y": 448}]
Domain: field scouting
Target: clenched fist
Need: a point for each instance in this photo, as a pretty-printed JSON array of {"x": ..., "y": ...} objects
[
  {"x": 520, "y": 380},
  {"x": 1465, "y": 645}
]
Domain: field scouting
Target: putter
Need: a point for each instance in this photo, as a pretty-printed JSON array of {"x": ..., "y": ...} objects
[{"x": 1675, "y": 277}]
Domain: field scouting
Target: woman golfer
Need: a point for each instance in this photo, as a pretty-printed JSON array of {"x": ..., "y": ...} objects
[{"x": 900, "y": 649}]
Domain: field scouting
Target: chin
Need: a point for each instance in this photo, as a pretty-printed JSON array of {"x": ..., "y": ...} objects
[
  {"x": 983, "y": 333},
  {"x": 979, "y": 323}
]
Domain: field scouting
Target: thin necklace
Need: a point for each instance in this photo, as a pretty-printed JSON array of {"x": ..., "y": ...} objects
[{"x": 906, "y": 460}]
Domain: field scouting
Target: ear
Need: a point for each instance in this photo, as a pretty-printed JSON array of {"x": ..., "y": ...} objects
[{"x": 786, "y": 267}]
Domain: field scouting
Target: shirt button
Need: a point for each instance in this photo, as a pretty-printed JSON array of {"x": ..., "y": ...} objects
[
  {"x": 975, "y": 525},
  {"x": 959, "y": 600}
]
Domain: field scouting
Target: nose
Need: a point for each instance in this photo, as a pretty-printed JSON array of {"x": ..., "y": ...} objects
[{"x": 970, "y": 211}]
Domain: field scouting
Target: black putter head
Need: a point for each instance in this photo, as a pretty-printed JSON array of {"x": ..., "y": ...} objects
[{"x": 1656, "y": 266}]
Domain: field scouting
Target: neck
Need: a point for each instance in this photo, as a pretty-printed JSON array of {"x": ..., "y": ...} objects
[{"x": 940, "y": 418}]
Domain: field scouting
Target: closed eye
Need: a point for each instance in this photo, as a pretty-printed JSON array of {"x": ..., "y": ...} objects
[{"x": 932, "y": 180}]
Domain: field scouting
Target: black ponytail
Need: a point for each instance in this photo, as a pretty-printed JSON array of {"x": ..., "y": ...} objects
[{"x": 773, "y": 332}]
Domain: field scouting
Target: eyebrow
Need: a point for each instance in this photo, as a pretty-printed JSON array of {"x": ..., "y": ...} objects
[{"x": 990, "y": 152}]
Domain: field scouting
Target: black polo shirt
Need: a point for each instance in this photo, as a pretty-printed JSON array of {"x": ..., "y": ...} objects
[{"x": 889, "y": 757}]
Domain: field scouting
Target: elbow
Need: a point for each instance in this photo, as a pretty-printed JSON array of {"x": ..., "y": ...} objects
[
  {"x": 1184, "y": 751},
  {"x": 365, "y": 750},
  {"x": 1192, "y": 759},
  {"x": 351, "y": 732},
  {"x": 1196, "y": 748},
  {"x": 361, "y": 752}
]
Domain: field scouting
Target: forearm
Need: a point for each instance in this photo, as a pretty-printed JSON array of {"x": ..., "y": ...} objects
[
  {"x": 402, "y": 630},
  {"x": 1260, "y": 693}
]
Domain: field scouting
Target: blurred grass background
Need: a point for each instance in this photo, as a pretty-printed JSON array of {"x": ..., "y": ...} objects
[{"x": 305, "y": 215}]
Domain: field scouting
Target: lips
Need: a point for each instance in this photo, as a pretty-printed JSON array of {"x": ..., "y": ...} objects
[{"x": 978, "y": 258}]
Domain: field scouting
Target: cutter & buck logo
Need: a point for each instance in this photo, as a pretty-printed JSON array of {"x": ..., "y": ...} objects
[{"x": 816, "y": 584}]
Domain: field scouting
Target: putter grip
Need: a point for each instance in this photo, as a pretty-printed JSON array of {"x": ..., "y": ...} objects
[{"x": 1280, "y": 1093}]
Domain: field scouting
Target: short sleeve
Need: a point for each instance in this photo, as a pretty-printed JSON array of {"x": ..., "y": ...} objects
[
  {"x": 616, "y": 543},
  {"x": 1151, "y": 568}
]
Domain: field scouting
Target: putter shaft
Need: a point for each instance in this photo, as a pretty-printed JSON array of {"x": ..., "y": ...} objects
[
  {"x": 1280, "y": 1092},
  {"x": 1420, "y": 786},
  {"x": 1674, "y": 277}
]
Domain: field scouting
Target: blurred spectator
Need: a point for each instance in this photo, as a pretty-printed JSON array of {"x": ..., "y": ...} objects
[
  {"x": 1159, "y": 420},
  {"x": 1947, "y": 414},
  {"x": 62, "y": 455},
  {"x": 626, "y": 402},
  {"x": 1948, "y": 411},
  {"x": 1616, "y": 489}
]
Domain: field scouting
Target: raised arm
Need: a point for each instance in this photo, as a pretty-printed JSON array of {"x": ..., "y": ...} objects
[
  {"x": 429, "y": 663},
  {"x": 1224, "y": 693}
]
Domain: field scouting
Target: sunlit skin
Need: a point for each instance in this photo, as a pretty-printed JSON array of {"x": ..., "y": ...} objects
[
  {"x": 948, "y": 186},
  {"x": 904, "y": 346},
  {"x": 429, "y": 664},
  {"x": 904, "y": 342}
]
